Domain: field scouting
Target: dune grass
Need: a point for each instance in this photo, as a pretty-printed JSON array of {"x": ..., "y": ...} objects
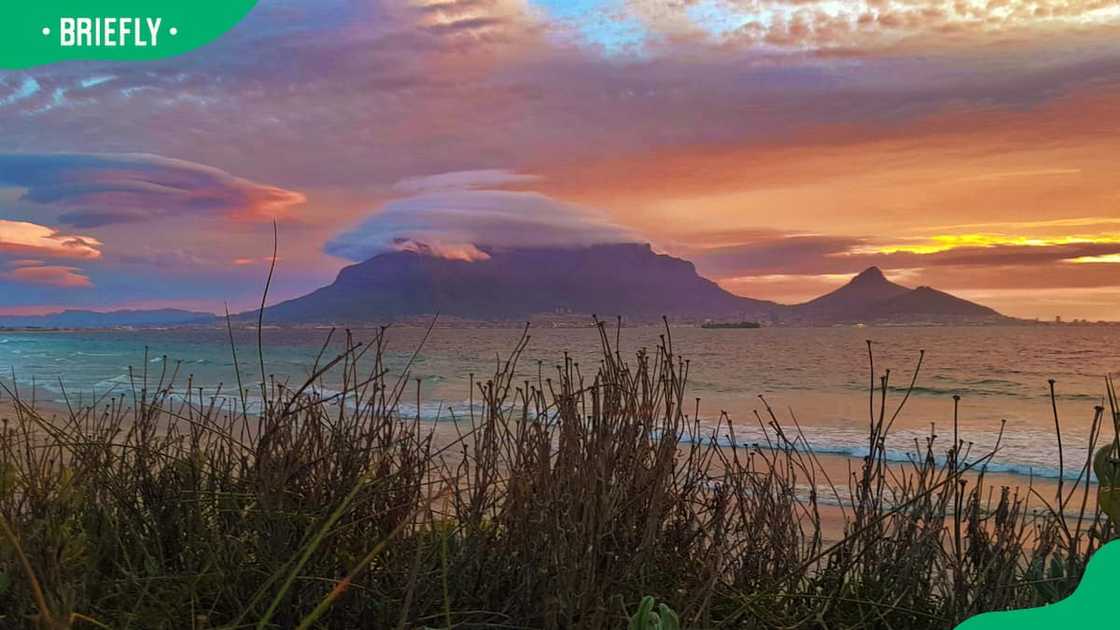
[{"x": 564, "y": 496}]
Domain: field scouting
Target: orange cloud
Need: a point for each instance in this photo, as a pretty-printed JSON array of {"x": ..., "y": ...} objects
[
  {"x": 867, "y": 26},
  {"x": 20, "y": 238},
  {"x": 23, "y": 245},
  {"x": 51, "y": 275},
  {"x": 246, "y": 262}
]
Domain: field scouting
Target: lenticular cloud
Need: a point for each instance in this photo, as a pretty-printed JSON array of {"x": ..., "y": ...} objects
[
  {"x": 461, "y": 224},
  {"x": 100, "y": 189}
]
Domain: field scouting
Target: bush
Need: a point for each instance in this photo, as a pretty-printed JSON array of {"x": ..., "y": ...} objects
[{"x": 558, "y": 502}]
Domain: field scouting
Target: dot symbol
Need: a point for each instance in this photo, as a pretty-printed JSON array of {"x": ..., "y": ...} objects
[
  {"x": 46, "y": 30},
  {"x": 174, "y": 31}
]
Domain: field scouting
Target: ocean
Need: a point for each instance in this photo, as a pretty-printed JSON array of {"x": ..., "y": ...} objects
[{"x": 820, "y": 376}]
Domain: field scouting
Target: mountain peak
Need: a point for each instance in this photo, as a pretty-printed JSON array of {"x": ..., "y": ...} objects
[
  {"x": 869, "y": 287},
  {"x": 869, "y": 275}
]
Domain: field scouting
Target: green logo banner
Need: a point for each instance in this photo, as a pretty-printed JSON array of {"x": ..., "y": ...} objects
[
  {"x": 1092, "y": 605},
  {"x": 47, "y": 31}
]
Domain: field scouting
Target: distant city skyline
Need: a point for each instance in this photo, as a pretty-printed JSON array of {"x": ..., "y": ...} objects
[{"x": 781, "y": 145}]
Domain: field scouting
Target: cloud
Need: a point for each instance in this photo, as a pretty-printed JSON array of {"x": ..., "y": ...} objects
[
  {"x": 340, "y": 93},
  {"x": 461, "y": 224},
  {"x": 862, "y": 25},
  {"x": 833, "y": 116},
  {"x": 1048, "y": 172},
  {"x": 466, "y": 252},
  {"x": 24, "y": 246},
  {"x": 463, "y": 180},
  {"x": 19, "y": 239},
  {"x": 51, "y": 275},
  {"x": 771, "y": 252},
  {"x": 793, "y": 266},
  {"x": 101, "y": 189}
]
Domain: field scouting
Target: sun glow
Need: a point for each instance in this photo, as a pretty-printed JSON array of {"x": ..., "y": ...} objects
[
  {"x": 1113, "y": 259},
  {"x": 947, "y": 242}
]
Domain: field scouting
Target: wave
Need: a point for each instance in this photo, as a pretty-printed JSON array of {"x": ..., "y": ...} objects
[{"x": 1025, "y": 454}]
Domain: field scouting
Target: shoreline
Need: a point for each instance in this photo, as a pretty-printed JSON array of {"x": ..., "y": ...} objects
[
  {"x": 593, "y": 502},
  {"x": 837, "y": 465},
  {"x": 550, "y": 322}
]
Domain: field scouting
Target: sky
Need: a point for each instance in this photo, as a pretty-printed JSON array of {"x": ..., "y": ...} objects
[{"x": 780, "y": 145}]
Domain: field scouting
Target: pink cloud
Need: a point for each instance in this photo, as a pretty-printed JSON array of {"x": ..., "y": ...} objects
[
  {"x": 51, "y": 275},
  {"x": 466, "y": 252}
]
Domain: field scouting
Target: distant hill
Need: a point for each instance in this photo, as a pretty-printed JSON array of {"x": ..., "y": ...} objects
[
  {"x": 111, "y": 319},
  {"x": 623, "y": 279},
  {"x": 871, "y": 298}
]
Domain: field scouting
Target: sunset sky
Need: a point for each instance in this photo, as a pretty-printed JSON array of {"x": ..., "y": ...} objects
[{"x": 781, "y": 145}]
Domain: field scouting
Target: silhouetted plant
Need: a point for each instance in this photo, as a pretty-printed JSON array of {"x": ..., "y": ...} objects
[{"x": 560, "y": 493}]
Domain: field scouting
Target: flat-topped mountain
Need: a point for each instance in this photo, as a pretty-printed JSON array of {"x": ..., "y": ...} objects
[{"x": 622, "y": 279}]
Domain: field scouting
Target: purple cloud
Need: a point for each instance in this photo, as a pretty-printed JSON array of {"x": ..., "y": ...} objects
[{"x": 100, "y": 189}]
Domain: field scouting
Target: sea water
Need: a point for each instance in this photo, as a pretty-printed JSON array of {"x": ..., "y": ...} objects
[{"x": 818, "y": 376}]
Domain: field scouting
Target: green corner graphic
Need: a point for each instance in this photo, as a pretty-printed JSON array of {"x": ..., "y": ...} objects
[
  {"x": 1092, "y": 605},
  {"x": 49, "y": 31}
]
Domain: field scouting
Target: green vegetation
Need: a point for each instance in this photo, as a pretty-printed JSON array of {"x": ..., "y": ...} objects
[
  {"x": 569, "y": 496},
  {"x": 646, "y": 619},
  {"x": 1106, "y": 465}
]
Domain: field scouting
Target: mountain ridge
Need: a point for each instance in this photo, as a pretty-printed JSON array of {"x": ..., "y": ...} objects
[
  {"x": 621, "y": 279},
  {"x": 870, "y": 297},
  {"x": 627, "y": 279},
  {"x": 82, "y": 318}
]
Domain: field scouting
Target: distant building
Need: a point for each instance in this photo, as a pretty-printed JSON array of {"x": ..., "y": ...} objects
[{"x": 1058, "y": 319}]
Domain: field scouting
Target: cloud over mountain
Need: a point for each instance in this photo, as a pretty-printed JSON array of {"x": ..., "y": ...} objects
[
  {"x": 464, "y": 180},
  {"x": 461, "y": 223}
]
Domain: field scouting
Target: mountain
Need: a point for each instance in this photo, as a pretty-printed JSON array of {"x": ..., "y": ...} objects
[
  {"x": 621, "y": 279},
  {"x": 869, "y": 287},
  {"x": 931, "y": 304},
  {"x": 870, "y": 297},
  {"x": 111, "y": 319},
  {"x": 514, "y": 284}
]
